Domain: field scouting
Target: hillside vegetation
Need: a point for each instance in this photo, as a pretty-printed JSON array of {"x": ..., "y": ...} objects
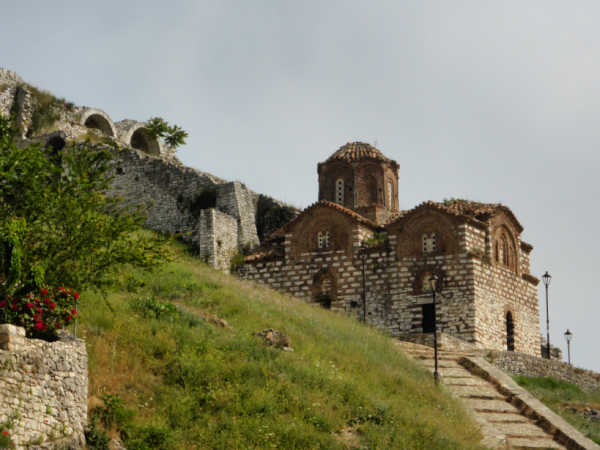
[
  {"x": 569, "y": 401},
  {"x": 167, "y": 372}
]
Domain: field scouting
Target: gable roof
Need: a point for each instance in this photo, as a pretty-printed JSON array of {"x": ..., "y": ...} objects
[
  {"x": 324, "y": 204},
  {"x": 474, "y": 212}
]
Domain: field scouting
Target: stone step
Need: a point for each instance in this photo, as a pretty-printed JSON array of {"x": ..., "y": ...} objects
[
  {"x": 476, "y": 391},
  {"x": 490, "y": 406},
  {"x": 465, "y": 381},
  {"x": 522, "y": 430},
  {"x": 494, "y": 418},
  {"x": 530, "y": 444}
]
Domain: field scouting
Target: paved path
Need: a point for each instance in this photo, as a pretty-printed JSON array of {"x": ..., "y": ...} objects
[{"x": 502, "y": 424}]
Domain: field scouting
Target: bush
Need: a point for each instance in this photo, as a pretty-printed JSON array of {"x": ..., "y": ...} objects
[
  {"x": 150, "y": 307},
  {"x": 96, "y": 438},
  {"x": 40, "y": 313}
]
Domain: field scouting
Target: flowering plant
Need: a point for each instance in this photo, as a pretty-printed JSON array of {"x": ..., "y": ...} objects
[{"x": 41, "y": 313}]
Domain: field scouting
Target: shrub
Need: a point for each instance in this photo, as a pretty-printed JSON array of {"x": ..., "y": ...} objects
[
  {"x": 95, "y": 437},
  {"x": 40, "y": 313},
  {"x": 150, "y": 307}
]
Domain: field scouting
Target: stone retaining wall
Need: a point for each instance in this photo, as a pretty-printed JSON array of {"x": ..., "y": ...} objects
[
  {"x": 43, "y": 390},
  {"x": 521, "y": 364}
]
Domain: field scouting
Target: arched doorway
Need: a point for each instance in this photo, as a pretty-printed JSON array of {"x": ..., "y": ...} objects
[
  {"x": 510, "y": 332},
  {"x": 141, "y": 140},
  {"x": 324, "y": 288},
  {"x": 98, "y": 122}
]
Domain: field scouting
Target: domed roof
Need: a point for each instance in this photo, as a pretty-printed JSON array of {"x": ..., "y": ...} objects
[{"x": 356, "y": 151}]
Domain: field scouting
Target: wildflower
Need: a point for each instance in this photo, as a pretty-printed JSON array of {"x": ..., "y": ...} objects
[{"x": 44, "y": 291}]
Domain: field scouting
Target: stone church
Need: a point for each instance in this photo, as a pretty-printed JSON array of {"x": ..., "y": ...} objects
[{"x": 354, "y": 251}]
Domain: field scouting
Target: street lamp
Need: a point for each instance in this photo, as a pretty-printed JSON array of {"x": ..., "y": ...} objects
[
  {"x": 433, "y": 279},
  {"x": 547, "y": 278},
  {"x": 568, "y": 337}
]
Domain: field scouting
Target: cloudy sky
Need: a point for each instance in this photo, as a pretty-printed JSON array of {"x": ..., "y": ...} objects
[{"x": 487, "y": 100}]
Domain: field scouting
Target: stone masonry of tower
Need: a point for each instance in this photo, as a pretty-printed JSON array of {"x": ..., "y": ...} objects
[{"x": 356, "y": 232}]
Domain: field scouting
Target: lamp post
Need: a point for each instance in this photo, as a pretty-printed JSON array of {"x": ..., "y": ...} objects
[
  {"x": 433, "y": 284},
  {"x": 547, "y": 278},
  {"x": 568, "y": 337}
]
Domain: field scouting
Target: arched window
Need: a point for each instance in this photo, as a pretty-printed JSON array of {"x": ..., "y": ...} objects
[
  {"x": 497, "y": 252},
  {"x": 510, "y": 332},
  {"x": 505, "y": 251},
  {"x": 323, "y": 239},
  {"x": 429, "y": 243},
  {"x": 339, "y": 191},
  {"x": 390, "y": 195}
]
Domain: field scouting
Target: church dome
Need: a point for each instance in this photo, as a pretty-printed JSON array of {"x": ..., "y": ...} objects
[{"x": 357, "y": 151}]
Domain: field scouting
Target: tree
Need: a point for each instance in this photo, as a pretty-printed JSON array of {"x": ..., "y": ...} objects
[
  {"x": 172, "y": 135},
  {"x": 57, "y": 227}
]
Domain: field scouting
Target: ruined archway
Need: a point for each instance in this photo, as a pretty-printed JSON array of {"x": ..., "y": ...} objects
[
  {"x": 96, "y": 119},
  {"x": 141, "y": 140}
]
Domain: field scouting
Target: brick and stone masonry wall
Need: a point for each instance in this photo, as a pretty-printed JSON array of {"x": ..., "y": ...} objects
[
  {"x": 521, "y": 364},
  {"x": 43, "y": 390}
]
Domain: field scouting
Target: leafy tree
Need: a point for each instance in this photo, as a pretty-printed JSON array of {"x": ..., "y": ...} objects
[
  {"x": 172, "y": 135},
  {"x": 57, "y": 227}
]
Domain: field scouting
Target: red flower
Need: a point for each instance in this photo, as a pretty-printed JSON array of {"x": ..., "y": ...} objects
[
  {"x": 2, "y": 303},
  {"x": 5, "y": 433},
  {"x": 15, "y": 307},
  {"x": 29, "y": 305},
  {"x": 74, "y": 311},
  {"x": 69, "y": 318},
  {"x": 47, "y": 301},
  {"x": 52, "y": 305},
  {"x": 60, "y": 288},
  {"x": 40, "y": 326},
  {"x": 44, "y": 291},
  {"x": 76, "y": 295},
  {"x": 38, "y": 310}
]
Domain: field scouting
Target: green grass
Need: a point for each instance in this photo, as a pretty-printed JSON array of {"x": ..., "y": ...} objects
[
  {"x": 193, "y": 384},
  {"x": 562, "y": 398}
]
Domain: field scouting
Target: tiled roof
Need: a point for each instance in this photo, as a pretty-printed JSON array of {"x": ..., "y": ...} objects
[
  {"x": 326, "y": 204},
  {"x": 356, "y": 151},
  {"x": 475, "y": 211}
]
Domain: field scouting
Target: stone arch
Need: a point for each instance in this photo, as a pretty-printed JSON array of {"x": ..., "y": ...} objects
[
  {"x": 98, "y": 120},
  {"x": 56, "y": 143},
  {"x": 409, "y": 241},
  {"x": 505, "y": 251},
  {"x": 135, "y": 135},
  {"x": 510, "y": 332}
]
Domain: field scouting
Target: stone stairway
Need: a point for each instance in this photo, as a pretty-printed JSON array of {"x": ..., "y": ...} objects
[{"x": 502, "y": 423}]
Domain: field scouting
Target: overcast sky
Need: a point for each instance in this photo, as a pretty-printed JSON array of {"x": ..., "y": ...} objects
[{"x": 496, "y": 101}]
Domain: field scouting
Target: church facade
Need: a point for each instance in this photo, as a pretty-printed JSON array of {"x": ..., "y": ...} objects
[{"x": 355, "y": 252}]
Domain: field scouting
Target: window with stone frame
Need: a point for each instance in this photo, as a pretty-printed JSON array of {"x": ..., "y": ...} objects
[
  {"x": 390, "y": 195},
  {"x": 430, "y": 243},
  {"x": 323, "y": 239},
  {"x": 339, "y": 191}
]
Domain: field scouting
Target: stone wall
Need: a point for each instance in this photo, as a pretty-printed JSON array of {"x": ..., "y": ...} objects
[
  {"x": 217, "y": 237},
  {"x": 43, "y": 390},
  {"x": 521, "y": 364}
]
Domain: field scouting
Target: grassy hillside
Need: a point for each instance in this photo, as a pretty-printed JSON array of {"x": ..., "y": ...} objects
[
  {"x": 567, "y": 400},
  {"x": 174, "y": 377}
]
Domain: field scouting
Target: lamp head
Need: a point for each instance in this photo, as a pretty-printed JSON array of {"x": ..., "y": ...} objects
[
  {"x": 568, "y": 335},
  {"x": 547, "y": 278}
]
